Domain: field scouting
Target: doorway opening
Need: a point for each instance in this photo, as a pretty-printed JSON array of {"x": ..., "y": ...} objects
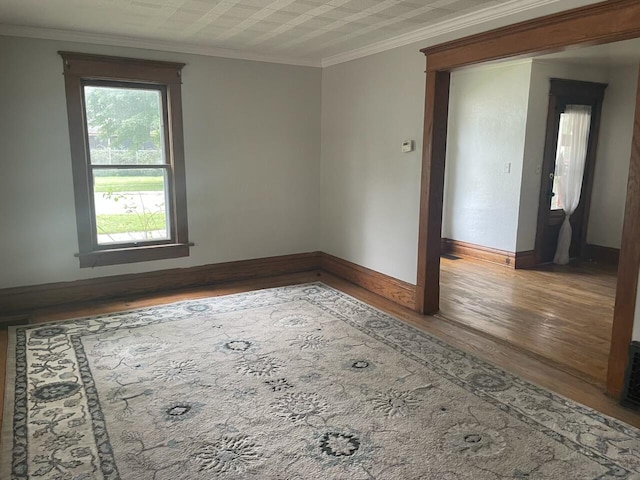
[
  {"x": 531, "y": 143},
  {"x": 597, "y": 24}
]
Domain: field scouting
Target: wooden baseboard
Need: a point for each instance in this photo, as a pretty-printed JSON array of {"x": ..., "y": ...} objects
[
  {"x": 526, "y": 259},
  {"x": 501, "y": 257},
  {"x": 29, "y": 298},
  {"x": 600, "y": 254},
  {"x": 19, "y": 300},
  {"x": 471, "y": 250},
  {"x": 391, "y": 288}
]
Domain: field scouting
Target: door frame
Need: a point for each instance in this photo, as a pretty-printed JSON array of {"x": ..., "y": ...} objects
[
  {"x": 575, "y": 92},
  {"x": 606, "y": 22}
]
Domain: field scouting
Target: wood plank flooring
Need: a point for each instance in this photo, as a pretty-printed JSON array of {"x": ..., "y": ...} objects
[
  {"x": 499, "y": 353},
  {"x": 561, "y": 314}
]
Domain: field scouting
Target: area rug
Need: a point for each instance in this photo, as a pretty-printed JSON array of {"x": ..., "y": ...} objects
[{"x": 300, "y": 382}]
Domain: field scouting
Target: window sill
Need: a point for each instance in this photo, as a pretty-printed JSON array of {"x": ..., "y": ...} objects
[{"x": 117, "y": 256}]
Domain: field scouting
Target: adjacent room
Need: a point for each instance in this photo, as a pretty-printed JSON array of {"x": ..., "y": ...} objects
[
  {"x": 503, "y": 207},
  {"x": 303, "y": 239}
]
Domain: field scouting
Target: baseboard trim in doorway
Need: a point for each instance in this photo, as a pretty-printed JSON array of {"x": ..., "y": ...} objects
[
  {"x": 400, "y": 292},
  {"x": 605, "y": 255},
  {"x": 479, "y": 252},
  {"x": 526, "y": 259}
]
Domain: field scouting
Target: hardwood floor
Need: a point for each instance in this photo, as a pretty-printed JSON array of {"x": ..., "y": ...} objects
[
  {"x": 561, "y": 314},
  {"x": 499, "y": 353}
]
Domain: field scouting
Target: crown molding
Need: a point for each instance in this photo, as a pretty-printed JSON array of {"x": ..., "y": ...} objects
[
  {"x": 511, "y": 7},
  {"x": 442, "y": 28},
  {"x": 147, "y": 44}
]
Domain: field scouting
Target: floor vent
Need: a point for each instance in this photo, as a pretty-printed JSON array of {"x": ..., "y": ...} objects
[
  {"x": 631, "y": 394},
  {"x": 449, "y": 256}
]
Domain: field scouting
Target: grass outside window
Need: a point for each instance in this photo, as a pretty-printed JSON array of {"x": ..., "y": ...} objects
[{"x": 128, "y": 184}]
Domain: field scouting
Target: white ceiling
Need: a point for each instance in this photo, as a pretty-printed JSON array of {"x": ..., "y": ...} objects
[{"x": 292, "y": 31}]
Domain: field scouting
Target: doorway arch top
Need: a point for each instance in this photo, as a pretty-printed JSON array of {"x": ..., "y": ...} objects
[{"x": 606, "y": 22}]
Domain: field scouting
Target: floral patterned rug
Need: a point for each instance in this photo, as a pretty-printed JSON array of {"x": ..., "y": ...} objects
[{"x": 300, "y": 382}]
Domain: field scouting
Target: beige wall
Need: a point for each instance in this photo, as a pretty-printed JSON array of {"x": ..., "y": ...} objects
[
  {"x": 486, "y": 131},
  {"x": 252, "y": 148},
  {"x": 612, "y": 159},
  {"x": 370, "y": 189}
]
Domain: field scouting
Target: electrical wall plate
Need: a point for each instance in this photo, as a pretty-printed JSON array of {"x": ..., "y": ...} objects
[{"x": 408, "y": 146}]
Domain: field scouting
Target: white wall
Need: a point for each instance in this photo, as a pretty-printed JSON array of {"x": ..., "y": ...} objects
[
  {"x": 486, "y": 132},
  {"x": 369, "y": 208},
  {"x": 612, "y": 163},
  {"x": 252, "y": 149}
]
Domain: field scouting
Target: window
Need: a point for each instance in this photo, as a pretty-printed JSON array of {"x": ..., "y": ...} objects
[
  {"x": 571, "y": 155},
  {"x": 125, "y": 130}
]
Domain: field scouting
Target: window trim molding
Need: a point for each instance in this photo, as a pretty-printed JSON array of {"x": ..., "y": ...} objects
[{"x": 80, "y": 68}]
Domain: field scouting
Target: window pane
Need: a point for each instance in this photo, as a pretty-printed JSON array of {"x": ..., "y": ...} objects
[
  {"x": 130, "y": 205},
  {"x": 125, "y": 126},
  {"x": 572, "y": 149}
]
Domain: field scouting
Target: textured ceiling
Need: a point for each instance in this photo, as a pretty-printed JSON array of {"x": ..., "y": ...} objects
[{"x": 305, "y": 29}]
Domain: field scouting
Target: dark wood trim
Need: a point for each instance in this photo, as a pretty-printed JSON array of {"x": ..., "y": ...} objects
[
  {"x": 176, "y": 147},
  {"x": 117, "y": 256},
  {"x": 590, "y": 167},
  {"x": 577, "y": 91},
  {"x": 479, "y": 252},
  {"x": 505, "y": 258},
  {"x": 550, "y": 144},
  {"x": 81, "y": 69},
  {"x": 79, "y": 170},
  {"x": 628, "y": 268},
  {"x": 388, "y": 287},
  {"x": 436, "y": 112},
  {"x": 525, "y": 259},
  {"x": 604, "y": 22},
  {"x": 609, "y": 21},
  {"x": 600, "y": 254},
  {"x": 85, "y": 65},
  {"x": 25, "y": 299},
  {"x": 21, "y": 300}
]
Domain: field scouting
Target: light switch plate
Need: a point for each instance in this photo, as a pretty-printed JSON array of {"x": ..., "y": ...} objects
[{"x": 408, "y": 146}]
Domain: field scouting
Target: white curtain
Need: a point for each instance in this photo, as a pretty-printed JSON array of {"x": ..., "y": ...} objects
[{"x": 573, "y": 138}]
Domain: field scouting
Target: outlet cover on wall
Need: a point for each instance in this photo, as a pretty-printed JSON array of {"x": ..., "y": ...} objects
[{"x": 507, "y": 167}]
